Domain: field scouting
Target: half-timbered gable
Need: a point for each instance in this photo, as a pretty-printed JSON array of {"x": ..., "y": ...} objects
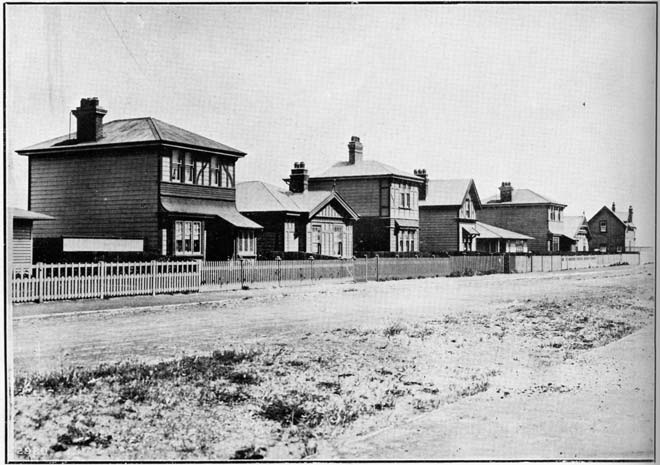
[{"x": 299, "y": 220}]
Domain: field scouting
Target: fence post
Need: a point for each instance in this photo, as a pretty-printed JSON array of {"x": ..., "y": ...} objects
[
  {"x": 311, "y": 268},
  {"x": 278, "y": 259},
  {"x": 377, "y": 271},
  {"x": 101, "y": 278},
  {"x": 242, "y": 275},
  {"x": 40, "y": 276},
  {"x": 153, "y": 277},
  {"x": 200, "y": 263}
]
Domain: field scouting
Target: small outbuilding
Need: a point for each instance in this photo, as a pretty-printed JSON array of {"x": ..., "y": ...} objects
[{"x": 21, "y": 243}]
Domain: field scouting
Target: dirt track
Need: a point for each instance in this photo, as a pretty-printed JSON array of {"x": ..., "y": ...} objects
[
  {"x": 157, "y": 333},
  {"x": 545, "y": 366}
]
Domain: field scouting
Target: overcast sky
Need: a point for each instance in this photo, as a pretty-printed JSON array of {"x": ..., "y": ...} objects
[{"x": 559, "y": 99}]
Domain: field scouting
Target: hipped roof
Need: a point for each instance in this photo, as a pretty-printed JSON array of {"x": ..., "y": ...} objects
[
  {"x": 134, "y": 131},
  {"x": 364, "y": 168},
  {"x": 522, "y": 196},
  {"x": 258, "y": 196}
]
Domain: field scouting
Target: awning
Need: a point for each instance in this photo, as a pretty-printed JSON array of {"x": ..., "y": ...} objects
[
  {"x": 488, "y": 231},
  {"x": 470, "y": 230},
  {"x": 557, "y": 229},
  {"x": 407, "y": 224},
  {"x": 206, "y": 207},
  {"x": 20, "y": 214}
]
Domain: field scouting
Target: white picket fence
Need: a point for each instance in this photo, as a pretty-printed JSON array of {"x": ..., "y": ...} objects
[{"x": 98, "y": 280}]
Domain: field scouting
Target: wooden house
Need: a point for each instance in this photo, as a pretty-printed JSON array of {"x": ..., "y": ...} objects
[
  {"x": 385, "y": 198},
  {"x": 448, "y": 211},
  {"x": 297, "y": 219},
  {"x": 531, "y": 214},
  {"x": 136, "y": 186},
  {"x": 576, "y": 231},
  {"x": 21, "y": 233},
  {"x": 612, "y": 231}
]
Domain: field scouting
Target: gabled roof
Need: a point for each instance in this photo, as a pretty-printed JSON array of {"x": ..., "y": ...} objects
[
  {"x": 134, "y": 131},
  {"x": 621, "y": 216},
  {"x": 20, "y": 214},
  {"x": 522, "y": 197},
  {"x": 487, "y": 231},
  {"x": 569, "y": 227},
  {"x": 364, "y": 168},
  {"x": 449, "y": 192},
  {"x": 258, "y": 196}
]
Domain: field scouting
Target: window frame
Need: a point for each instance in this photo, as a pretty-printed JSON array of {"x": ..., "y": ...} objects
[
  {"x": 602, "y": 226},
  {"x": 188, "y": 238}
]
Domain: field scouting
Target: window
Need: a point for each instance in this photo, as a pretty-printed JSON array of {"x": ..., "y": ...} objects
[
  {"x": 176, "y": 169},
  {"x": 555, "y": 244},
  {"x": 187, "y": 237},
  {"x": 316, "y": 239},
  {"x": 468, "y": 208},
  {"x": 384, "y": 199},
  {"x": 201, "y": 172},
  {"x": 189, "y": 169},
  {"x": 165, "y": 170},
  {"x": 163, "y": 242},
  {"x": 603, "y": 226},
  {"x": 245, "y": 242}
]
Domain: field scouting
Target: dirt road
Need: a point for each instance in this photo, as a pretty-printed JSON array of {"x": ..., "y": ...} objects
[
  {"x": 158, "y": 333},
  {"x": 539, "y": 366}
]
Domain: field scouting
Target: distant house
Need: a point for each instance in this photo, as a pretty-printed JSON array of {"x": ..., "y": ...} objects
[
  {"x": 136, "y": 186},
  {"x": 531, "y": 214},
  {"x": 448, "y": 212},
  {"x": 612, "y": 231},
  {"x": 384, "y": 197},
  {"x": 298, "y": 220},
  {"x": 576, "y": 231},
  {"x": 21, "y": 243}
]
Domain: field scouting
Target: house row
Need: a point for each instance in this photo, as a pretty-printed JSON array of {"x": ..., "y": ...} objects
[{"x": 147, "y": 188}]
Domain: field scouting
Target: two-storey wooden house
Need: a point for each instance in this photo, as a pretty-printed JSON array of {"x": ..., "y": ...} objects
[
  {"x": 529, "y": 213},
  {"x": 297, "y": 219},
  {"x": 448, "y": 211},
  {"x": 612, "y": 231},
  {"x": 138, "y": 186},
  {"x": 385, "y": 198}
]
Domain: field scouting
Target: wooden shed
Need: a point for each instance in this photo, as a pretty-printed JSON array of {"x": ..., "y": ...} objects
[{"x": 21, "y": 234}]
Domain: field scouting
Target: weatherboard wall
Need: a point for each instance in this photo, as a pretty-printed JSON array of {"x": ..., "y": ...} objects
[
  {"x": 102, "y": 194},
  {"x": 438, "y": 229},
  {"x": 531, "y": 220}
]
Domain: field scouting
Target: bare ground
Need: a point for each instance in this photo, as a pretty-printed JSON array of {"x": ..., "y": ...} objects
[{"x": 482, "y": 367}]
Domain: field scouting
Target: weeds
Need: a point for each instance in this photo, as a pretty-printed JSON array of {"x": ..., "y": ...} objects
[{"x": 393, "y": 329}]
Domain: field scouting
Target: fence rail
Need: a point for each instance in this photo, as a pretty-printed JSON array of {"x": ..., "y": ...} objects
[{"x": 98, "y": 280}]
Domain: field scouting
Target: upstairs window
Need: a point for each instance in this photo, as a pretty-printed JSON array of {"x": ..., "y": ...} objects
[
  {"x": 468, "y": 208},
  {"x": 189, "y": 168},
  {"x": 603, "y": 226}
]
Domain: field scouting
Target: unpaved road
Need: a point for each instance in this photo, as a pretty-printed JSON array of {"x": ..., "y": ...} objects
[
  {"x": 540, "y": 366},
  {"x": 159, "y": 333}
]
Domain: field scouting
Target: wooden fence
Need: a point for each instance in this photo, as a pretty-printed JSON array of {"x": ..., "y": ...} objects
[{"x": 98, "y": 280}]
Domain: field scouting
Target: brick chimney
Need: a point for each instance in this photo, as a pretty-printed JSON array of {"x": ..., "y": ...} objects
[
  {"x": 354, "y": 150},
  {"x": 90, "y": 120},
  {"x": 299, "y": 180},
  {"x": 613, "y": 207},
  {"x": 630, "y": 213},
  {"x": 505, "y": 192},
  {"x": 423, "y": 189}
]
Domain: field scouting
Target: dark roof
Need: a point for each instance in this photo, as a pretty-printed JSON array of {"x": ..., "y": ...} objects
[
  {"x": 521, "y": 196},
  {"x": 364, "y": 168},
  {"x": 134, "y": 131},
  {"x": 258, "y": 196},
  {"x": 206, "y": 207},
  {"x": 20, "y": 214},
  {"x": 449, "y": 192}
]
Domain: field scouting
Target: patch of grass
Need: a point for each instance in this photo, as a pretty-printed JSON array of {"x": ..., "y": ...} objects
[
  {"x": 249, "y": 453},
  {"x": 394, "y": 328}
]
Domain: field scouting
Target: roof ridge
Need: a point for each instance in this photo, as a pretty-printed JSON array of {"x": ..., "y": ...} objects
[{"x": 153, "y": 127}]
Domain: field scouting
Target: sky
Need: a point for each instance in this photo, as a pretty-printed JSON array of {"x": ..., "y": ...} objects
[{"x": 556, "y": 98}]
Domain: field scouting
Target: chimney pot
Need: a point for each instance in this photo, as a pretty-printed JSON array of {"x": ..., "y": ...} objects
[
  {"x": 630, "y": 214},
  {"x": 90, "y": 120},
  {"x": 299, "y": 179},
  {"x": 354, "y": 150},
  {"x": 506, "y": 191},
  {"x": 613, "y": 207},
  {"x": 423, "y": 189}
]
